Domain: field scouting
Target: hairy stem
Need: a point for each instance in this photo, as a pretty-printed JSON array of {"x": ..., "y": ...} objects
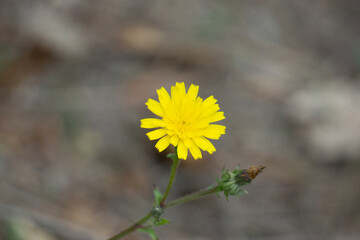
[
  {"x": 193, "y": 196},
  {"x": 174, "y": 169}
]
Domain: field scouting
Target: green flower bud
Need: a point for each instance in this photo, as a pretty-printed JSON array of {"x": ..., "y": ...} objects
[
  {"x": 156, "y": 212},
  {"x": 232, "y": 181}
]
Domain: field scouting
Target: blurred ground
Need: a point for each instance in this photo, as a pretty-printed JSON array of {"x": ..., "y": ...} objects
[{"x": 74, "y": 77}]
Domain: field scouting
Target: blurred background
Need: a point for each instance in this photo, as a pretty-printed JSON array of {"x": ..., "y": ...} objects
[{"x": 74, "y": 79}]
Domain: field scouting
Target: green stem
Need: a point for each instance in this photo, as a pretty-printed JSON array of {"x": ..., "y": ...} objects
[
  {"x": 139, "y": 223},
  {"x": 193, "y": 196},
  {"x": 182, "y": 200},
  {"x": 132, "y": 228},
  {"x": 174, "y": 169}
]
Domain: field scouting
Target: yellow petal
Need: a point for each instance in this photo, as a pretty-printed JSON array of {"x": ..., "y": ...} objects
[
  {"x": 216, "y": 117},
  {"x": 155, "y": 107},
  {"x": 152, "y": 123},
  {"x": 220, "y": 129},
  {"x": 181, "y": 88},
  {"x": 200, "y": 124},
  {"x": 195, "y": 152},
  {"x": 164, "y": 97},
  {"x": 197, "y": 110},
  {"x": 204, "y": 144},
  {"x": 156, "y": 134},
  {"x": 204, "y": 121},
  {"x": 195, "y": 133},
  {"x": 214, "y": 131},
  {"x": 182, "y": 150},
  {"x": 163, "y": 143},
  {"x": 212, "y": 134},
  {"x": 211, "y": 110},
  {"x": 174, "y": 140},
  {"x": 193, "y": 92},
  {"x": 170, "y": 132},
  {"x": 187, "y": 142},
  {"x": 171, "y": 112},
  {"x": 209, "y": 101},
  {"x": 177, "y": 92}
]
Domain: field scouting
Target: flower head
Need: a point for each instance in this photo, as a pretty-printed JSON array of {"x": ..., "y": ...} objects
[{"x": 186, "y": 121}]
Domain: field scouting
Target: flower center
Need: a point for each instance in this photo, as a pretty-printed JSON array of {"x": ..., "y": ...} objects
[{"x": 181, "y": 127}]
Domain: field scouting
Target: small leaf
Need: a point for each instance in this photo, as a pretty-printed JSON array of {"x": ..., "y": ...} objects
[
  {"x": 209, "y": 187},
  {"x": 162, "y": 221},
  {"x": 158, "y": 196},
  {"x": 149, "y": 231},
  {"x": 172, "y": 156}
]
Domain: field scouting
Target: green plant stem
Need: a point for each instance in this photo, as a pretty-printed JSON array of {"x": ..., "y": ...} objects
[
  {"x": 193, "y": 196},
  {"x": 132, "y": 228},
  {"x": 174, "y": 169},
  {"x": 139, "y": 223},
  {"x": 234, "y": 179},
  {"x": 182, "y": 200}
]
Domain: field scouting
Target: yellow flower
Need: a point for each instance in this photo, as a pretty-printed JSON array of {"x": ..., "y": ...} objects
[{"x": 186, "y": 121}]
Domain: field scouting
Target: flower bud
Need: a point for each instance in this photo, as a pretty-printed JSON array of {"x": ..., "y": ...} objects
[
  {"x": 156, "y": 212},
  {"x": 231, "y": 181}
]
